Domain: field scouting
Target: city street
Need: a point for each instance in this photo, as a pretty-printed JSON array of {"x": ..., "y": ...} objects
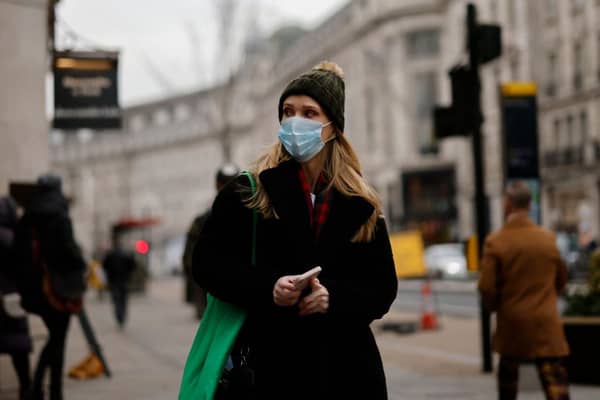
[
  {"x": 451, "y": 298},
  {"x": 147, "y": 358},
  {"x": 464, "y": 127}
]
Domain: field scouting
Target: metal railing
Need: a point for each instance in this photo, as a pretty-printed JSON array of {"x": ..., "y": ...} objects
[{"x": 566, "y": 157}]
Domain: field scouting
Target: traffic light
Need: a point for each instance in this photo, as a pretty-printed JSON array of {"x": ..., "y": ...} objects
[
  {"x": 464, "y": 117},
  {"x": 489, "y": 42},
  {"x": 142, "y": 247},
  {"x": 464, "y": 114},
  {"x": 457, "y": 119}
]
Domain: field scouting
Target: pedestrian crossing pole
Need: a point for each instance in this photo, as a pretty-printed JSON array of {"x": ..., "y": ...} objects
[
  {"x": 465, "y": 118},
  {"x": 481, "y": 201}
]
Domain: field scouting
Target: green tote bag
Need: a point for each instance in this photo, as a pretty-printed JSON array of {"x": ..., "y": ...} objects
[{"x": 220, "y": 325}]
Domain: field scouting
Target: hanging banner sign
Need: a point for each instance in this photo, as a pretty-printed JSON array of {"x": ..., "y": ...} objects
[
  {"x": 520, "y": 130},
  {"x": 520, "y": 139},
  {"x": 86, "y": 90}
]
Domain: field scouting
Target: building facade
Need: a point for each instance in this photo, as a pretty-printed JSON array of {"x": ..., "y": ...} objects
[
  {"x": 568, "y": 62},
  {"x": 396, "y": 56},
  {"x": 161, "y": 166}
]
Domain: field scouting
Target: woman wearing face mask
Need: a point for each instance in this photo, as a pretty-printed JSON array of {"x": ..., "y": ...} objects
[{"x": 314, "y": 209}]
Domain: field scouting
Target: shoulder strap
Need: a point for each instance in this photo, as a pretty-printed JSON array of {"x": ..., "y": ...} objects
[{"x": 252, "y": 181}]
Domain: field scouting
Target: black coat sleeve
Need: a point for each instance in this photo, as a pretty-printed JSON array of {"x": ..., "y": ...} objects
[
  {"x": 221, "y": 262},
  {"x": 368, "y": 294}
]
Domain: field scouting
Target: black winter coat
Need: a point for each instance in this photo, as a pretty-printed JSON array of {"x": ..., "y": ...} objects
[
  {"x": 321, "y": 356},
  {"x": 119, "y": 265},
  {"x": 14, "y": 332},
  {"x": 47, "y": 216}
]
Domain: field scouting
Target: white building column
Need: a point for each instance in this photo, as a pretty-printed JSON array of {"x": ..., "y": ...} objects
[{"x": 24, "y": 136}]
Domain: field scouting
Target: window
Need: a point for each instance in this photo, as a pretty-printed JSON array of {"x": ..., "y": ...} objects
[
  {"x": 494, "y": 10},
  {"x": 137, "y": 122},
  {"x": 578, "y": 66},
  {"x": 598, "y": 58},
  {"x": 583, "y": 127},
  {"x": 571, "y": 141},
  {"x": 551, "y": 75},
  {"x": 570, "y": 131},
  {"x": 511, "y": 22},
  {"x": 424, "y": 43},
  {"x": 577, "y": 5},
  {"x": 182, "y": 112},
  {"x": 551, "y": 8},
  {"x": 425, "y": 98},
  {"x": 370, "y": 117},
  {"x": 514, "y": 69},
  {"x": 557, "y": 134},
  {"x": 161, "y": 117}
]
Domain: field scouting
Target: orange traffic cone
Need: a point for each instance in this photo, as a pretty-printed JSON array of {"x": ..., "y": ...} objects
[{"x": 428, "y": 317}]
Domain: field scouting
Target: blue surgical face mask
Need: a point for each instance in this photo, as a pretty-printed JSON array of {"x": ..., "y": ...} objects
[{"x": 301, "y": 137}]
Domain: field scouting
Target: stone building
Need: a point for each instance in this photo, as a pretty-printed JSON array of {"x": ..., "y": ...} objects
[
  {"x": 162, "y": 165},
  {"x": 396, "y": 56},
  {"x": 568, "y": 64}
]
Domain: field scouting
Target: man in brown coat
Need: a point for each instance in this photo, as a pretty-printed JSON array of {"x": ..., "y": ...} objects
[{"x": 522, "y": 274}]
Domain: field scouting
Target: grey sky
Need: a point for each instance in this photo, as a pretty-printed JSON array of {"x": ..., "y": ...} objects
[{"x": 169, "y": 46}]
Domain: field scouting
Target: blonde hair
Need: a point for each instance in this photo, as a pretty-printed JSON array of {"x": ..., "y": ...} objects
[{"x": 341, "y": 169}]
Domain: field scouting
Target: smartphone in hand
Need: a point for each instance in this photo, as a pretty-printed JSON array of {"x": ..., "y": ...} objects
[{"x": 301, "y": 281}]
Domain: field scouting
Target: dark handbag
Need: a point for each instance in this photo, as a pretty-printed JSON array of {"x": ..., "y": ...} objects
[
  {"x": 63, "y": 290},
  {"x": 237, "y": 381},
  {"x": 52, "y": 285}
]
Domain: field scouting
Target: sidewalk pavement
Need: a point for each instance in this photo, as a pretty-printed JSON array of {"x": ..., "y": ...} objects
[
  {"x": 446, "y": 364},
  {"x": 148, "y": 357}
]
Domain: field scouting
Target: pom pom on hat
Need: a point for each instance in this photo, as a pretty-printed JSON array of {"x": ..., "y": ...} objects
[{"x": 330, "y": 66}]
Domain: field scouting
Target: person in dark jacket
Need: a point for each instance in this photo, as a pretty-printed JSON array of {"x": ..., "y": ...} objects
[
  {"x": 14, "y": 329},
  {"x": 45, "y": 245},
  {"x": 194, "y": 292},
  {"x": 314, "y": 209},
  {"x": 119, "y": 264}
]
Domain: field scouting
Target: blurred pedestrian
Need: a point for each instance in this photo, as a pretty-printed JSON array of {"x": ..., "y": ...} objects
[
  {"x": 119, "y": 265},
  {"x": 521, "y": 277},
  {"x": 314, "y": 208},
  {"x": 14, "y": 329},
  {"x": 193, "y": 291},
  {"x": 587, "y": 246},
  {"x": 51, "y": 278}
]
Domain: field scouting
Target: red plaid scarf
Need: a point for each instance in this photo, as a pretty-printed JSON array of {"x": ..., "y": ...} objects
[{"x": 318, "y": 212}]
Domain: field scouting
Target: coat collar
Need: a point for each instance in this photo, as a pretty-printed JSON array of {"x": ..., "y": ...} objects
[
  {"x": 518, "y": 220},
  {"x": 347, "y": 214}
]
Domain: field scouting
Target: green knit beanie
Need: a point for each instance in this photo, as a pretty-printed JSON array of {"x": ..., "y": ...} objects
[{"x": 325, "y": 84}]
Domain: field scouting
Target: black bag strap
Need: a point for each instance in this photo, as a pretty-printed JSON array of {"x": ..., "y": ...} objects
[{"x": 252, "y": 181}]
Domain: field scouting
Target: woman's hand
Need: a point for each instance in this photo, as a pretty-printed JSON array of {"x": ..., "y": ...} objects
[
  {"x": 285, "y": 293},
  {"x": 317, "y": 301}
]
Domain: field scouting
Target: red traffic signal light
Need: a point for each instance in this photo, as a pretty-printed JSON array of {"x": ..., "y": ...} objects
[{"x": 142, "y": 247}]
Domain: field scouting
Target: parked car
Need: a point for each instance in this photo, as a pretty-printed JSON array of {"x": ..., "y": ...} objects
[{"x": 446, "y": 260}]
